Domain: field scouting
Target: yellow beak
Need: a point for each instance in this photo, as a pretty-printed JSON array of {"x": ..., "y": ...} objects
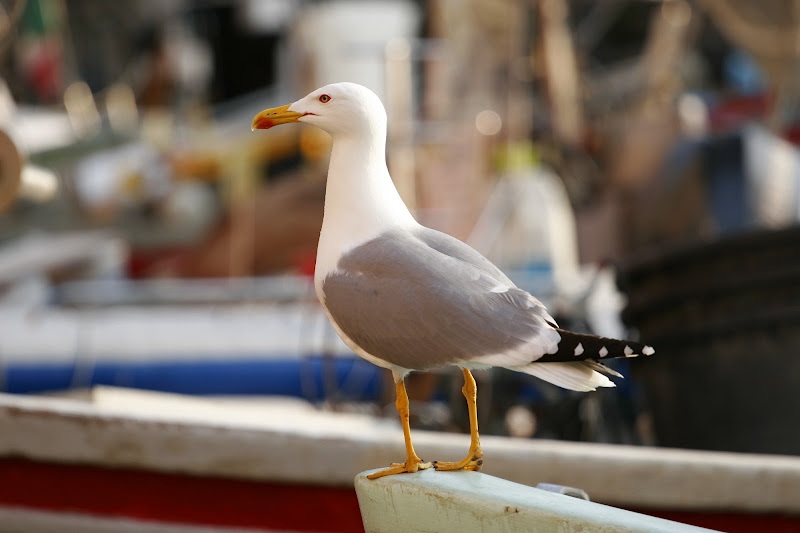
[{"x": 274, "y": 117}]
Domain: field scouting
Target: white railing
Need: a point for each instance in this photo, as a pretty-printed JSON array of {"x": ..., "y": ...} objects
[{"x": 466, "y": 502}]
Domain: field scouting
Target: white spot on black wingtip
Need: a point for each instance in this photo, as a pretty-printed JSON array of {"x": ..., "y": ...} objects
[
  {"x": 578, "y": 349},
  {"x": 628, "y": 351},
  {"x": 603, "y": 352},
  {"x": 648, "y": 350}
]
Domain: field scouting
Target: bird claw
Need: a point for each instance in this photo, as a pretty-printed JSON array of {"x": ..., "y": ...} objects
[
  {"x": 409, "y": 467},
  {"x": 472, "y": 462}
]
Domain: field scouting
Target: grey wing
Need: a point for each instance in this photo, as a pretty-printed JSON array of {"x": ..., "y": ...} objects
[
  {"x": 450, "y": 246},
  {"x": 416, "y": 307}
]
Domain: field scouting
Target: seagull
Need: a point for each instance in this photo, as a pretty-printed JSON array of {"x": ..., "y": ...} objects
[{"x": 409, "y": 298}]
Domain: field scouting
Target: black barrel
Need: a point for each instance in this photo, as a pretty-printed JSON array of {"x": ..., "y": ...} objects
[{"x": 724, "y": 318}]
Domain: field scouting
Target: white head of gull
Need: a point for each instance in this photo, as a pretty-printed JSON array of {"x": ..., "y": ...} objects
[{"x": 406, "y": 297}]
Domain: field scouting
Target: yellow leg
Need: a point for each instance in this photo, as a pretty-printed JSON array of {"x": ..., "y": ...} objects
[
  {"x": 413, "y": 463},
  {"x": 474, "y": 459}
]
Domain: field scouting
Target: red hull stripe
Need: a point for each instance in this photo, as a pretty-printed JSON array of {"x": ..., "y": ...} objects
[
  {"x": 222, "y": 502},
  {"x": 177, "y": 498}
]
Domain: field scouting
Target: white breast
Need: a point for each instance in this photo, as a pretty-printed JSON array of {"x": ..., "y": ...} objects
[{"x": 361, "y": 202}]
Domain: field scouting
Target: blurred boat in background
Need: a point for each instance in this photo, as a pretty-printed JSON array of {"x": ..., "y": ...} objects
[{"x": 111, "y": 459}]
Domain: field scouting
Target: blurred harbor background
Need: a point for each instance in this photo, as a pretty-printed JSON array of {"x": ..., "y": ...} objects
[{"x": 633, "y": 164}]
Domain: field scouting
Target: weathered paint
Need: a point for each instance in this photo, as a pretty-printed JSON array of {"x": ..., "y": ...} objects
[{"x": 473, "y": 502}]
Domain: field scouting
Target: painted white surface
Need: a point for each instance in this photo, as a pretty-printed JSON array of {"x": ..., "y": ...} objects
[
  {"x": 165, "y": 333},
  {"x": 467, "y": 502},
  {"x": 292, "y": 441}
]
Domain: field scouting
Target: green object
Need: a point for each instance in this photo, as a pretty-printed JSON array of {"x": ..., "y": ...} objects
[{"x": 41, "y": 18}]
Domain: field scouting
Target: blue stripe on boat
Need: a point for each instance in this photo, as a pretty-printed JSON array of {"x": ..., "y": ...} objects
[{"x": 309, "y": 378}]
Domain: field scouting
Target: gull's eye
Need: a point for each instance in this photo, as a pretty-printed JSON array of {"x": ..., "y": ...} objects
[{"x": 324, "y": 98}]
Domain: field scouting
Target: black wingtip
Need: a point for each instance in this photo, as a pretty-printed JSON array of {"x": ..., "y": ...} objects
[{"x": 582, "y": 346}]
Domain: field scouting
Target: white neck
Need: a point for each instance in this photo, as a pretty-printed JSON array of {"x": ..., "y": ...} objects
[{"x": 361, "y": 200}]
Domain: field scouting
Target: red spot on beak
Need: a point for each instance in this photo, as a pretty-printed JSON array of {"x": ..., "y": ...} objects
[{"x": 263, "y": 123}]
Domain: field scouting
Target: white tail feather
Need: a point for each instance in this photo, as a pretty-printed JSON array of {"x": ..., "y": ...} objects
[{"x": 574, "y": 376}]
